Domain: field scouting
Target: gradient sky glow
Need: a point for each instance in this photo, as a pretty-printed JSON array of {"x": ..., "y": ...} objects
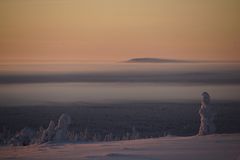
[{"x": 119, "y": 29}]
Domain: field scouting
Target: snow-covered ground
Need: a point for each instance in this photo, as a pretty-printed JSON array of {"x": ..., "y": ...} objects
[{"x": 212, "y": 147}]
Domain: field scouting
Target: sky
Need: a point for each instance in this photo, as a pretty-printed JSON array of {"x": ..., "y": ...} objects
[{"x": 98, "y": 30}]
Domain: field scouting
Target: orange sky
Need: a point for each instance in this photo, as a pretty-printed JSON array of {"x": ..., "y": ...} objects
[{"x": 119, "y": 29}]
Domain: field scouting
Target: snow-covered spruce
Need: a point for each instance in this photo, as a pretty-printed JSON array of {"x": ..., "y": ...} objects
[
  {"x": 207, "y": 126},
  {"x": 59, "y": 132},
  {"x": 23, "y": 138}
]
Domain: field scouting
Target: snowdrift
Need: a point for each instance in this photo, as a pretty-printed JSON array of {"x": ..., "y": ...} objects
[{"x": 211, "y": 147}]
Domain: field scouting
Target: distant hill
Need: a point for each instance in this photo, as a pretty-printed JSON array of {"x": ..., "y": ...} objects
[
  {"x": 154, "y": 60},
  {"x": 162, "y": 60}
]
